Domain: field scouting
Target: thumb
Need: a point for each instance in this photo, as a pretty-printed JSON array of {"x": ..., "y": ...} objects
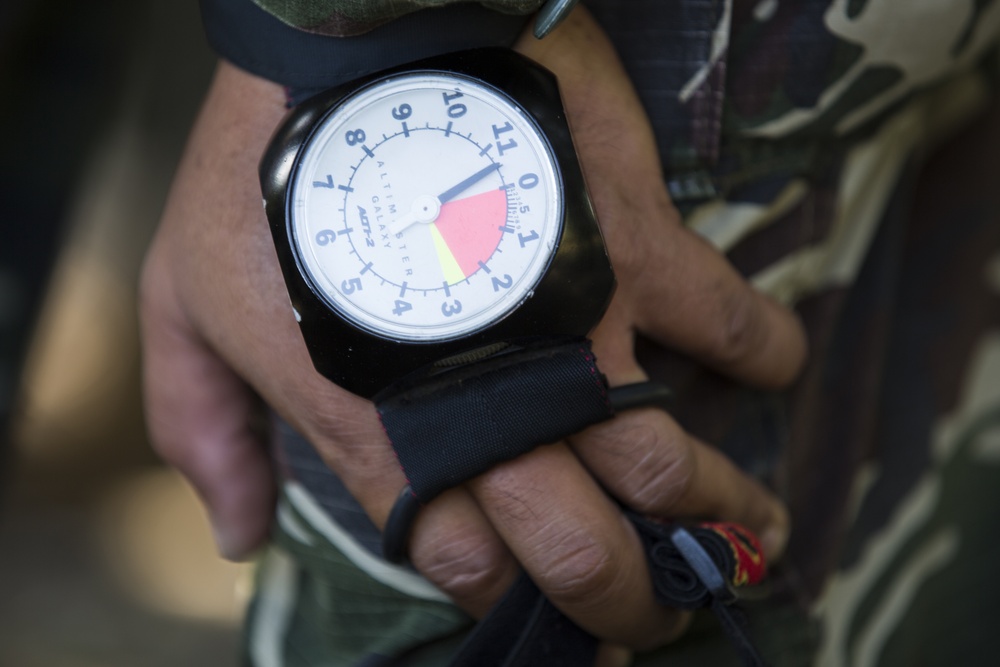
[{"x": 201, "y": 418}]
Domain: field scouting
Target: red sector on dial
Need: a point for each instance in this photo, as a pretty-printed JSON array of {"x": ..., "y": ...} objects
[{"x": 469, "y": 230}]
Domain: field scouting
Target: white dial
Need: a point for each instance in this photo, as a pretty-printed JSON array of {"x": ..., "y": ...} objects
[{"x": 426, "y": 207}]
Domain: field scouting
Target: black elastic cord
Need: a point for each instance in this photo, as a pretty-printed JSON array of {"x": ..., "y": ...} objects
[
  {"x": 734, "y": 628},
  {"x": 399, "y": 525},
  {"x": 641, "y": 395}
]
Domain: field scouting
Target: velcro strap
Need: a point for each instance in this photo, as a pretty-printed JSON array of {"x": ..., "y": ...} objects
[{"x": 449, "y": 426}]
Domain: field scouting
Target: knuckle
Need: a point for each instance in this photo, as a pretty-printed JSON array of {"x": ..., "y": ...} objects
[
  {"x": 740, "y": 328},
  {"x": 662, "y": 477},
  {"x": 580, "y": 569},
  {"x": 464, "y": 566},
  {"x": 650, "y": 460}
]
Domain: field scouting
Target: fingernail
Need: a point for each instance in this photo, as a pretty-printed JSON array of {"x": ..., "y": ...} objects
[
  {"x": 774, "y": 539},
  {"x": 773, "y": 543}
]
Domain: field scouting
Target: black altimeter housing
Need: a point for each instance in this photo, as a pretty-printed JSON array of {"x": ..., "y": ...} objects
[{"x": 568, "y": 300}]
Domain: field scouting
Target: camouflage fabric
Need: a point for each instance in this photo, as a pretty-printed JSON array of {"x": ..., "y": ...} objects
[
  {"x": 343, "y": 18},
  {"x": 843, "y": 154}
]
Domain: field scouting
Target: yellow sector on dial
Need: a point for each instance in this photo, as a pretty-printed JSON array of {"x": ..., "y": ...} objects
[{"x": 449, "y": 265}]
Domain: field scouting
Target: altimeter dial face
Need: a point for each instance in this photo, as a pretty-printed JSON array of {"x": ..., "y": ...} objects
[{"x": 426, "y": 207}]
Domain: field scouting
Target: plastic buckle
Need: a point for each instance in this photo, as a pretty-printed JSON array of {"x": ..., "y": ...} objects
[{"x": 702, "y": 565}]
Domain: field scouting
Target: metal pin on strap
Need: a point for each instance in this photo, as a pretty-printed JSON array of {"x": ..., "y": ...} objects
[{"x": 551, "y": 14}]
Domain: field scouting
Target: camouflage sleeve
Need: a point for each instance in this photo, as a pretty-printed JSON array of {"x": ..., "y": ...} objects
[
  {"x": 343, "y": 18},
  {"x": 256, "y": 40}
]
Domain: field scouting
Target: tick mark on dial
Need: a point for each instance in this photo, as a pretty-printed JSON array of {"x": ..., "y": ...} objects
[{"x": 402, "y": 289}]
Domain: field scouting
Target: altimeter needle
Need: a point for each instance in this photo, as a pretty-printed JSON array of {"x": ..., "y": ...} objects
[
  {"x": 457, "y": 189},
  {"x": 426, "y": 208}
]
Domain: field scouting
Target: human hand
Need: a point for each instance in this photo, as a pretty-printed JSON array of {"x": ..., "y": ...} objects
[{"x": 218, "y": 331}]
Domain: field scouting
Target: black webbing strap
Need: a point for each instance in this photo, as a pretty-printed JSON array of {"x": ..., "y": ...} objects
[{"x": 449, "y": 427}]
